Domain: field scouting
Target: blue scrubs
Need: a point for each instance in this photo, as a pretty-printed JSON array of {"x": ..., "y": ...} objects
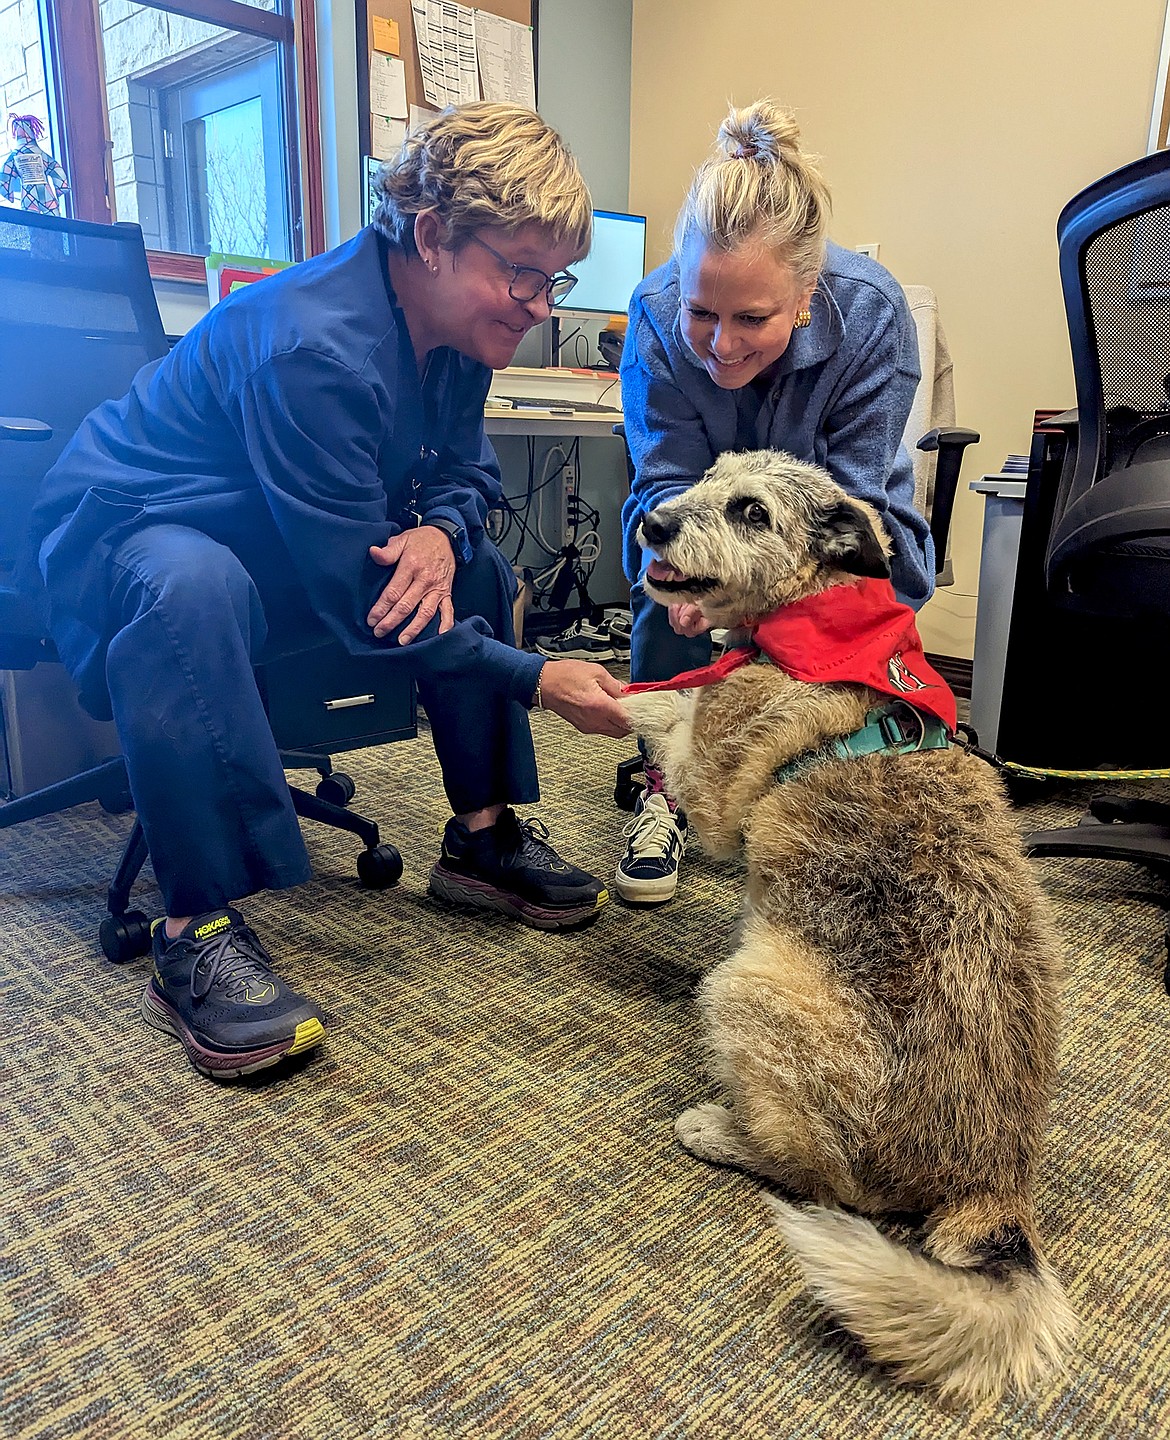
[{"x": 221, "y": 513}]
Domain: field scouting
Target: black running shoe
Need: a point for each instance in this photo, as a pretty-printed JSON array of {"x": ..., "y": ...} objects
[
  {"x": 509, "y": 867},
  {"x": 214, "y": 989}
]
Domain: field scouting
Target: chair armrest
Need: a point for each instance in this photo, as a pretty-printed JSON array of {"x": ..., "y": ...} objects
[
  {"x": 950, "y": 441},
  {"x": 20, "y": 427}
]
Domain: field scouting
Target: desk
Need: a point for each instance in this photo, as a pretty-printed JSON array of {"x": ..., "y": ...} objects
[
  {"x": 560, "y": 387},
  {"x": 537, "y": 423},
  {"x": 1002, "y": 517},
  {"x": 528, "y": 442}
]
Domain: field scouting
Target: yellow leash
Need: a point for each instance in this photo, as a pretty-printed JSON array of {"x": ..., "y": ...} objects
[{"x": 1037, "y": 773}]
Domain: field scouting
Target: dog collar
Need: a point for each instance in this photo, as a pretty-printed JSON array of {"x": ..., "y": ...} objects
[{"x": 895, "y": 728}]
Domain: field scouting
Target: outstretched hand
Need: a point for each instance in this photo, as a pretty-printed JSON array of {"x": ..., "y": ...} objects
[
  {"x": 584, "y": 694},
  {"x": 424, "y": 567}
]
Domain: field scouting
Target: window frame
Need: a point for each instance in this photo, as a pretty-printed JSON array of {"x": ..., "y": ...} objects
[{"x": 76, "y": 79}]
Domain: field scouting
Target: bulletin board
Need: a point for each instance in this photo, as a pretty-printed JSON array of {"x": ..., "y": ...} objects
[{"x": 521, "y": 11}]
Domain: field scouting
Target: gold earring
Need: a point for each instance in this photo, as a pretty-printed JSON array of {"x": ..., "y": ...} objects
[{"x": 803, "y": 320}]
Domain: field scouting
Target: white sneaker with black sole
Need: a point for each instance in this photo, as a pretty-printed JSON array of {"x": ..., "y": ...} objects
[
  {"x": 647, "y": 874},
  {"x": 581, "y": 641}
]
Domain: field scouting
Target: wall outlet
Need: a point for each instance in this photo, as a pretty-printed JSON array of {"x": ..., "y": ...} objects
[{"x": 870, "y": 250}]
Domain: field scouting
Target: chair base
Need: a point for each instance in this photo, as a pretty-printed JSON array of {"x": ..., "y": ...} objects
[
  {"x": 125, "y": 934},
  {"x": 1115, "y": 828}
]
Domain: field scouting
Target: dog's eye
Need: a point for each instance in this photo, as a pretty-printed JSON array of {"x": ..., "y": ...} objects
[{"x": 749, "y": 511}]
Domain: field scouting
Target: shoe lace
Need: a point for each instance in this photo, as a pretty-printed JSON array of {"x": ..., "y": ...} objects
[
  {"x": 651, "y": 833},
  {"x": 229, "y": 960},
  {"x": 527, "y": 844},
  {"x": 582, "y": 629}
]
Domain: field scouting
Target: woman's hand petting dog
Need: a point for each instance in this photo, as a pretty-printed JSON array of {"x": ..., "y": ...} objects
[{"x": 584, "y": 694}]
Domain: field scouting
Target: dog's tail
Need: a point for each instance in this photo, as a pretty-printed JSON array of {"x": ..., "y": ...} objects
[{"x": 987, "y": 1315}]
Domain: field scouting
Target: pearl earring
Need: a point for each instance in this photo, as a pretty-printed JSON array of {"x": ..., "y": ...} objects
[{"x": 803, "y": 320}]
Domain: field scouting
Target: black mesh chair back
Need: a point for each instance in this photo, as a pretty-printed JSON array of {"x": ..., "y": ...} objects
[
  {"x": 1109, "y": 546},
  {"x": 78, "y": 319}
]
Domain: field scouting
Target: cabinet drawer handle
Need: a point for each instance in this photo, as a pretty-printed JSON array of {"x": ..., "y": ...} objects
[{"x": 348, "y": 702}]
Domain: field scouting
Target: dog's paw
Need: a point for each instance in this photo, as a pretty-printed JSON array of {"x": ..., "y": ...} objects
[
  {"x": 709, "y": 1132},
  {"x": 654, "y": 715}
]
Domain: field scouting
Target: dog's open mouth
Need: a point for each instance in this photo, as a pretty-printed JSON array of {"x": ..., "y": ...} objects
[{"x": 666, "y": 577}]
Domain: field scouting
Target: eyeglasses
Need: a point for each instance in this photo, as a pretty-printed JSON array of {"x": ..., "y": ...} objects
[{"x": 527, "y": 281}]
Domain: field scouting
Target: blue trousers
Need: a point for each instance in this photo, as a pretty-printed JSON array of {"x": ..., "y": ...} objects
[
  {"x": 656, "y": 652},
  {"x": 205, "y": 774}
]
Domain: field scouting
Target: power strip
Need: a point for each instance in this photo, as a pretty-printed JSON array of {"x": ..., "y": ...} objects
[{"x": 567, "y": 487}]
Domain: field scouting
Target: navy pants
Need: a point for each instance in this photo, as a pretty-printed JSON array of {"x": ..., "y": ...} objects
[{"x": 204, "y": 770}]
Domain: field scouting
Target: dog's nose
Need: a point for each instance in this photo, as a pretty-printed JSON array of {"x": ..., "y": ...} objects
[{"x": 659, "y": 529}]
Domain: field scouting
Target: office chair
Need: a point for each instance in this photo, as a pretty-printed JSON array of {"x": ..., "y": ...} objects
[
  {"x": 947, "y": 442},
  {"x": 77, "y": 321},
  {"x": 1108, "y": 539}
]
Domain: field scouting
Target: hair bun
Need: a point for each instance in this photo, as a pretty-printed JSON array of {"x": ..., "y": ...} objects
[{"x": 764, "y": 131}]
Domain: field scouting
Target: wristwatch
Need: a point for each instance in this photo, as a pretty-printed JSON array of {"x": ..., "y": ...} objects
[{"x": 455, "y": 533}]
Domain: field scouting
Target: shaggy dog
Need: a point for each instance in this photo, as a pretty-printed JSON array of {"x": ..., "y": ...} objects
[{"x": 886, "y": 1028}]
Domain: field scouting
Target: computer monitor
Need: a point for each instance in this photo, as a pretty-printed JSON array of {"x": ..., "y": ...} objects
[{"x": 616, "y": 262}]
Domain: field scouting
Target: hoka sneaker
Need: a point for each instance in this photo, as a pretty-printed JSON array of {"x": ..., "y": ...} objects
[
  {"x": 214, "y": 990},
  {"x": 510, "y": 867},
  {"x": 647, "y": 873},
  {"x": 581, "y": 641}
]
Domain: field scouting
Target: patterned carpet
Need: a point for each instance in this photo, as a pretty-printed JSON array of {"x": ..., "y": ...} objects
[{"x": 466, "y": 1216}]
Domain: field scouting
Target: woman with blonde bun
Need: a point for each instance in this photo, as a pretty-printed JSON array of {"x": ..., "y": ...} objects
[
  {"x": 758, "y": 333},
  {"x": 309, "y": 464}
]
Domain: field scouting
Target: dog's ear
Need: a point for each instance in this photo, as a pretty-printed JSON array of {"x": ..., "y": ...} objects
[{"x": 843, "y": 539}]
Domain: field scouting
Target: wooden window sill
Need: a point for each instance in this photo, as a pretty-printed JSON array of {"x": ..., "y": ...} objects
[{"x": 164, "y": 265}]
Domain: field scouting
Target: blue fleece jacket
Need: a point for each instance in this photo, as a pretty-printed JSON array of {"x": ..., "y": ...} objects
[
  {"x": 291, "y": 425},
  {"x": 840, "y": 398}
]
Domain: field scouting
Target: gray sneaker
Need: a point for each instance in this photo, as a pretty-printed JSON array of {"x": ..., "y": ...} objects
[
  {"x": 647, "y": 874},
  {"x": 581, "y": 641},
  {"x": 619, "y": 626}
]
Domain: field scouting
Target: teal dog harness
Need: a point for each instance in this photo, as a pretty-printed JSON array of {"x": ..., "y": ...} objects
[{"x": 895, "y": 728}]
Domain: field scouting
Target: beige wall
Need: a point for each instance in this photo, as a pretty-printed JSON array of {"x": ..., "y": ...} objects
[{"x": 951, "y": 135}]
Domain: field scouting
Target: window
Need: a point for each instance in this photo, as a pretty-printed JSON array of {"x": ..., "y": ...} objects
[{"x": 197, "y": 119}]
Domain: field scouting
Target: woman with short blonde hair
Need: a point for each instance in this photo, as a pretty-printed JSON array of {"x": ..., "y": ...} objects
[
  {"x": 309, "y": 464},
  {"x": 484, "y": 164}
]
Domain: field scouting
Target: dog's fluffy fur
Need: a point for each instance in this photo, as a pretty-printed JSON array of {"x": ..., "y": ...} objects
[{"x": 886, "y": 1028}]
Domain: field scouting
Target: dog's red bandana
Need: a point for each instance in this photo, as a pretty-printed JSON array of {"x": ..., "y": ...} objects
[{"x": 861, "y": 634}]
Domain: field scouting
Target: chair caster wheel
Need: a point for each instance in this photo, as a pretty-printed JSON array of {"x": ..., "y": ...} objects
[
  {"x": 629, "y": 784},
  {"x": 337, "y": 788},
  {"x": 118, "y": 802},
  {"x": 124, "y": 937},
  {"x": 379, "y": 868}
]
